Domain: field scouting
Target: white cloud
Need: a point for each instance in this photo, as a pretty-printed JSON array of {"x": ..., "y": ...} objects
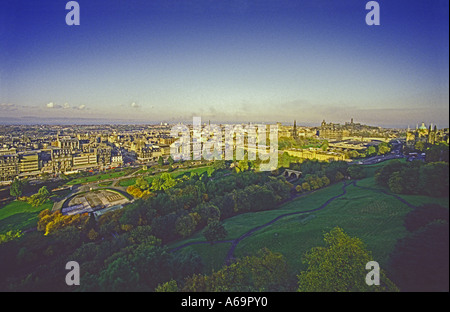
[
  {"x": 8, "y": 107},
  {"x": 52, "y": 105},
  {"x": 134, "y": 105}
]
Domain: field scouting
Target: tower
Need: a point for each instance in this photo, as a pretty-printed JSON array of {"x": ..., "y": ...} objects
[{"x": 294, "y": 132}]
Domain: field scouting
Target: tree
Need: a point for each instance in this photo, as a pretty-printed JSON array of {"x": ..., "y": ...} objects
[
  {"x": 265, "y": 271},
  {"x": 40, "y": 197},
  {"x": 420, "y": 146},
  {"x": 371, "y": 151},
  {"x": 425, "y": 214},
  {"x": 170, "y": 286},
  {"x": 339, "y": 176},
  {"x": 437, "y": 152},
  {"x": 219, "y": 165},
  {"x": 16, "y": 188},
  {"x": 242, "y": 166},
  {"x": 384, "y": 148},
  {"x": 325, "y": 181},
  {"x": 214, "y": 231},
  {"x": 396, "y": 183},
  {"x": 170, "y": 160},
  {"x": 93, "y": 235},
  {"x": 207, "y": 213},
  {"x": 160, "y": 161},
  {"x": 185, "y": 225},
  {"x": 43, "y": 192},
  {"x": 356, "y": 172},
  {"x": 435, "y": 179},
  {"x": 339, "y": 266},
  {"x": 306, "y": 187},
  {"x": 420, "y": 261},
  {"x": 383, "y": 174},
  {"x": 142, "y": 183},
  {"x": 285, "y": 160},
  {"x": 135, "y": 191}
]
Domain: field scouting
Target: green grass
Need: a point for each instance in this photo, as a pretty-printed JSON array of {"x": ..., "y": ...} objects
[
  {"x": 240, "y": 224},
  {"x": 175, "y": 174},
  {"x": 98, "y": 177},
  {"x": 19, "y": 215},
  {"x": 374, "y": 217}
]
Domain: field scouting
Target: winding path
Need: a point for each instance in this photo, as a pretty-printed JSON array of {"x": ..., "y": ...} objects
[{"x": 234, "y": 242}]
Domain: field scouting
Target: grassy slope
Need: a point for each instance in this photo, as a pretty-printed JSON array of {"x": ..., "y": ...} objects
[
  {"x": 375, "y": 218},
  {"x": 19, "y": 215}
]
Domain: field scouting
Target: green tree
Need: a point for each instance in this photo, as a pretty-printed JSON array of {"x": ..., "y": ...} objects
[
  {"x": 185, "y": 225},
  {"x": 242, "y": 166},
  {"x": 142, "y": 183},
  {"x": 170, "y": 286},
  {"x": 420, "y": 146},
  {"x": 420, "y": 260},
  {"x": 285, "y": 160},
  {"x": 170, "y": 160},
  {"x": 339, "y": 176},
  {"x": 384, "y": 148},
  {"x": 16, "y": 188},
  {"x": 371, "y": 151},
  {"x": 219, "y": 164},
  {"x": 265, "y": 271},
  {"x": 325, "y": 181},
  {"x": 383, "y": 174},
  {"x": 356, "y": 172},
  {"x": 44, "y": 193},
  {"x": 437, "y": 152},
  {"x": 339, "y": 266},
  {"x": 435, "y": 179},
  {"x": 160, "y": 161},
  {"x": 306, "y": 187},
  {"x": 214, "y": 231}
]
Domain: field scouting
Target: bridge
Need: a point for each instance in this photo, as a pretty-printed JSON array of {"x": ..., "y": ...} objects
[{"x": 291, "y": 174}]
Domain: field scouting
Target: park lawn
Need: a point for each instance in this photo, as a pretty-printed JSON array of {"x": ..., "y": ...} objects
[
  {"x": 175, "y": 174},
  {"x": 98, "y": 177},
  {"x": 19, "y": 215},
  {"x": 240, "y": 224},
  {"x": 375, "y": 218}
]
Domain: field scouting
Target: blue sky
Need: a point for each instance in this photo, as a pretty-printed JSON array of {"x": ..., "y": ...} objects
[{"x": 225, "y": 61}]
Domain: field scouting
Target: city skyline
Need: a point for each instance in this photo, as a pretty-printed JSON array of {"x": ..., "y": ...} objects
[{"x": 235, "y": 61}]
